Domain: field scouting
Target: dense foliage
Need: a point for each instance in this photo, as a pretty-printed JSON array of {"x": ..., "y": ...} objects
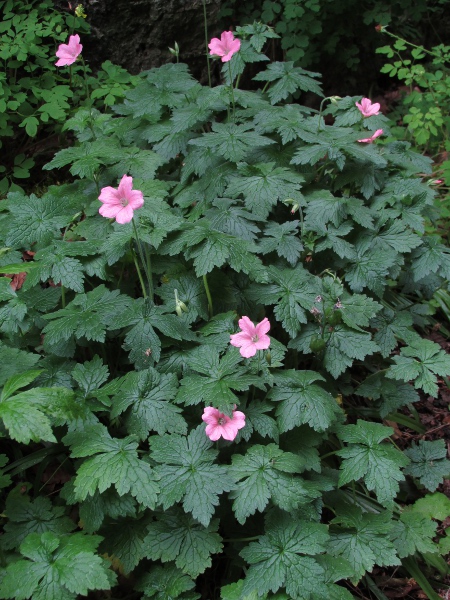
[{"x": 116, "y": 336}]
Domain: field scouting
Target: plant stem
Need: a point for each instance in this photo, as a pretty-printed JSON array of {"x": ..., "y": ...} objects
[
  {"x": 208, "y": 295},
  {"x": 205, "y": 27},
  {"x": 138, "y": 270},
  {"x": 63, "y": 296},
  {"x": 232, "y": 91},
  {"x": 146, "y": 263}
]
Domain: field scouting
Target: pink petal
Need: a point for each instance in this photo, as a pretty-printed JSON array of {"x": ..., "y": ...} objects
[
  {"x": 109, "y": 210},
  {"x": 263, "y": 342},
  {"x": 229, "y": 431},
  {"x": 125, "y": 214},
  {"x": 248, "y": 350},
  {"x": 263, "y": 327},
  {"x": 215, "y": 46},
  {"x": 136, "y": 199},
  {"x": 247, "y": 326},
  {"x": 238, "y": 419},
  {"x": 239, "y": 339},
  {"x": 125, "y": 186},
  {"x": 109, "y": 195},
  {"x": 213, "y": 432},
  {"x": 210, "y": 415}
]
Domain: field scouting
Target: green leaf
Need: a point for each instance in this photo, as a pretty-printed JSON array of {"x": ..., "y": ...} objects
[
  {"x": 165, "y": 583},
  {"x": 302, "y": 401},
  {"x": 421, "y": 361},
  {"x": 124, "y": 542},
  {"x": 434, "y": 506},
  {"x": 56, "y": 568},
  {"x": 90, "y": 375},
  {"x": 282, "y": 239},
  {"x": 147, "y": 395},
  {"x": 265, "y": 473},
  {"x": 278, "y": 559},
  {"x": 288, "y": 80},
  {"x": 412, "y": 533},
  {"x": 428, "y": 463},
  {"x": 393, "y": 394},
  {"x": 88, "y": 315},
  {"x": 15, "y": 361},
  {"x": 233, "y": 142},
  {"x": 216, "y": 380},
  {"x": 292, "y": 291},
  {"x": 176, "y": 536},
  {"x": 114, "y": 462},
  {"x": 366, "y": 458},
  {"x": 263, "y": 185},
  {"x": 18, "y": 381},
  {"x": 362, "y": 539},
  {"x": 391, "y": 326},
  {"x": 86, "y": 159},
  {"x": 27, "y": 516},
  {"x": 187, "y": 473}
]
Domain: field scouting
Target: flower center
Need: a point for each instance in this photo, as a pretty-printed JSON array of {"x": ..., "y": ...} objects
[
  {"x": 221, "y": 421},
  {"x": 124, "y": 202},
  {"x": 255, "y": 338}
]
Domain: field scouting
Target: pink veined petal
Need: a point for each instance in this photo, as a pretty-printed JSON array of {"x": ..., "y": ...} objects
[
  {"x": 239, "y": 419},
  {"x": 262, "y": 343},
  {"x": 229, "y": 431},
  {"x": 227, "y": 38},
  {"x": 210, "y": 415},
  {"x": 125, "y": 214},
  {"x": 109, "y": 195},
  {"x": 109, "y": 210},
  {"x": 213, "y": 432},
  {"x": 247, "y": 326},
  {"x": 375, "y": 108},
  {"x": 136, "y": 199},
  {"x": 263, "y": 327},
  {"x": 248, "y": 350},
  {"x": 64, "y": 51},
  {"x": 238, "y": 339},
  {"x": 125, "y": 185},
  {"x": 215, "y": 46}
]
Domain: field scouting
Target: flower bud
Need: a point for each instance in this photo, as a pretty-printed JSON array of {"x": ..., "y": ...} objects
[{"x": 79, "y": 12}]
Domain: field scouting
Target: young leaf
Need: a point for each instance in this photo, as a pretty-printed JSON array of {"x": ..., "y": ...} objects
[
  {"x": 147, "y": 395},
  {"x": 114, "y": 462},
  {"x": 166, "y": 583},
  {"x": 421, "y": 361},
  {"x": 288, "y": 80},
  {"x": 302, "y": 401},
  {"x": 428, "y": 463},
  {"x": 265, "y": 473},
  {"x": 278, "y": 559},
  {"x": 362, "y": 539},
  {"x": 366, "y": 458},
  {"x": 56, "y": 568},
  {"x": 27, "y": 516},
  {"x": 412, "y": 533},
  {"x": 176, "y": 536},
  {"x": 187, "y": 472}
]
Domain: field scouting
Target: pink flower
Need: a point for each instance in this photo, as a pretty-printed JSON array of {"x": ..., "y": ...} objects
[
  {"x": 373, "y": 137},
  {"x": 220, "y": 425},
  {"x": 68, "y": 53},
  {"x": 225, "y": 47},
  {"x": 120, "y": 203},
  {"x": 367, "y": 109},
  {"x": 251, "y": 338}
]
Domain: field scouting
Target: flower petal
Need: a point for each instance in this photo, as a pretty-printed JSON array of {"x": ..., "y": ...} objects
[
  {"x": 239, "y": 339},
  {"x": 229, "y": 431},
  {"x": 125, "y": 215},
  {"x": 213, "y": 432},
  {"x": 109, "y": 210},
  {"x": 109, "y": 195},
  {"x": 247, "y": 326},
  {"x": 263, "y": 327}
]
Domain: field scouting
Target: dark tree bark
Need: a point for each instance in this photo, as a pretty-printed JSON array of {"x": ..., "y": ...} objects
[{"x": 136, "y": 34}]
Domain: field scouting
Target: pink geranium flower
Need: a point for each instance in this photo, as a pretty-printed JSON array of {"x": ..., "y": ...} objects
[
  {"x": 121, "y": 203},
  {"x": 251, "y": 338},
  {"x": 225, "y": 47},
  {"x": 373, "y": 137},
  {"x": 68, "y": 53},
  {"x": 220, "y": 425},
  {"x": 367, "y": 109}
]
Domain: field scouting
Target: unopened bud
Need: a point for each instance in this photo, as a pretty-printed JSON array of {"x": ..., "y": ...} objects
[
  {"x": 79, "y": 11},
  {"x": 175, "y": 51},
  {"x": 380, "y": 28},
  {"x": 335, "y": 99},
  {"x": 180, "y": 306},
  {"x": 268, "y": 358}
]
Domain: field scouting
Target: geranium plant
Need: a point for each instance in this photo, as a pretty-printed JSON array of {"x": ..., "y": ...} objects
[{"x": 157, "y": 441}]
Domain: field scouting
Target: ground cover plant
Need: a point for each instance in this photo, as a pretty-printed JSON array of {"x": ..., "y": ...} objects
[{"x": 203, "y": 334}]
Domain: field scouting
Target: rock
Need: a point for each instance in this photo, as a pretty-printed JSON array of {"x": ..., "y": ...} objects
[{"x": 136, "y": 34}]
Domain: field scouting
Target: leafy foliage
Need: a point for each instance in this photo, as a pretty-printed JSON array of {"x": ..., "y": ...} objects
[{"x": 116, "y": 336}]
